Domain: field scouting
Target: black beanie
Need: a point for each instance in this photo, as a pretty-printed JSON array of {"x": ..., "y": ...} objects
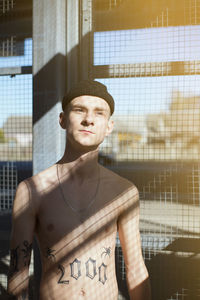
[{"x": 89, "y": 88}]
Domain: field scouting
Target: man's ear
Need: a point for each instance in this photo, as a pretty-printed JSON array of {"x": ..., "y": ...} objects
[
  {"x": 110, "y": 127},
  {"x": 62, "y": 120}
]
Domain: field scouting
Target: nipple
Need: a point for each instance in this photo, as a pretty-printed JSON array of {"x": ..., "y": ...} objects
[
  {"x": 107, "y": 229},
  {"x": 50, "y": 227}
]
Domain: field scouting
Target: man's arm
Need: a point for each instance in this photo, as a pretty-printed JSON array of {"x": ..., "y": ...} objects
[
  {"x": 128, "y": 228},
  {"x": 23, "y": 223}
]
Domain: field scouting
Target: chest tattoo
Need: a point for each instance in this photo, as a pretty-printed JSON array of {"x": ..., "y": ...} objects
[
  {"x": 107, "y": 251},
  {"x": 50, "y": 253},
  {"x": 89, "y": 268}
]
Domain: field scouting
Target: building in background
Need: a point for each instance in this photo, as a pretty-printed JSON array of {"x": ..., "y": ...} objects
[{"x": 17, "y": 139}]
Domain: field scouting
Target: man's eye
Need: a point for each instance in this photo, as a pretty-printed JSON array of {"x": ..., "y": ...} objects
[
  {"x": 78, "y": 109},
  {"x": 100, "y": 113}
]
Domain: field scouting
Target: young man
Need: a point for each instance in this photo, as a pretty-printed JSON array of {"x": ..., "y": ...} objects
[{"x": 75, "y": 209}]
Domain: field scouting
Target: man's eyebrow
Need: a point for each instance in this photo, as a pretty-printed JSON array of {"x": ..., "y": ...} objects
[
  {"x": 97, "y": 108},
  {"x": 100, "y": 109},
  {"x": 77, "y": 105}
]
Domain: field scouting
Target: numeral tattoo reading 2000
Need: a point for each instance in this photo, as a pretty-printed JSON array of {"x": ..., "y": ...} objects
[{"x": 90, "y": 271}]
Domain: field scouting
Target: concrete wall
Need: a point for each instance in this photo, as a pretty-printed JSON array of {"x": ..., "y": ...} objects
[
  {"x": 61, "y": 57},
  {"x": 49, "y": 80}
]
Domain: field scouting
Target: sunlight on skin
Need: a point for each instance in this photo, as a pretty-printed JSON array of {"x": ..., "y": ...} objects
[
  {"x": 96, "y": 222},
  {"x": 75, "y": 209},
  {"x": 82, "y": 241}
]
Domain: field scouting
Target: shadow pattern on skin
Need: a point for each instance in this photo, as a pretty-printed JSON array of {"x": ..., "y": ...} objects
[{"x": 26, "y": 247}]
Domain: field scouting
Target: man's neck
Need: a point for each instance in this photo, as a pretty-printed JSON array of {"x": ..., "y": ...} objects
[{"x": 80, "y": 164}]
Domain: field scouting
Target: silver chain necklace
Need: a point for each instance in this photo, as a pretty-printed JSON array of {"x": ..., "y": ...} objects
[{"x": 84, "y": 210}]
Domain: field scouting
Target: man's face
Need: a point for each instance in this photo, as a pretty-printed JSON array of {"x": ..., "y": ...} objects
[{"x": 87, "y": 121}]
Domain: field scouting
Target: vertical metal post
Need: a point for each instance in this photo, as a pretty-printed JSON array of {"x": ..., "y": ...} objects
[
  {"x": 86, "y": 40},
  {"x": 49, "y": 81},
  {"x": 79, "y": 40},
  {"x": 72, "y": 38}
]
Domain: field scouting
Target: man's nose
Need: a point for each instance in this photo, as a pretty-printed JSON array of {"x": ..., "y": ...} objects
[{"x": 88, "y": 119}]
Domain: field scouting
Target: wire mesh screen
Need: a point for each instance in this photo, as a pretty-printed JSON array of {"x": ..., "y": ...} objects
[
  {"x": 151, "y": 65},
  {"x": 8, "y": 184},
  {"x": 15, "y": 117}
]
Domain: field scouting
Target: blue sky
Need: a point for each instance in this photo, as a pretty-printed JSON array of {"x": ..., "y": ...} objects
[
  {"x": 149, "y": 95},
  {"x": 16, "y": 61},
  {"x": 181, "y": 43},
  {"x": 15, "y": 96},
  {"x": 16, "y": 92},
  {"x": 142, "y": 95}
]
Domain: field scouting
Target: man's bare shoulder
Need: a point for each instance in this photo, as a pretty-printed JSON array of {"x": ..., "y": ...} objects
[
  {"x": 43, "y": 180},
  {"x": 123, "y": 193},
  {"x": 116, "y": 181}
]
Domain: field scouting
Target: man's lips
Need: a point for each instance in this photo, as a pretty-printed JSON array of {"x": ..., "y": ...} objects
[{"x": 86, "y": 131}]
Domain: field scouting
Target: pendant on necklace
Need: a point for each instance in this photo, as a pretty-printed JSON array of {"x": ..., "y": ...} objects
[
  {"x": 81, "y": 213},
  {"x": 82, "y": 218}
]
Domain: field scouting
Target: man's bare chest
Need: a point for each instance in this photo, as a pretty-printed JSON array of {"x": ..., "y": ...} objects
[
  {"x": 76, "y": 248},
  {"x": 56, "y": 221}
]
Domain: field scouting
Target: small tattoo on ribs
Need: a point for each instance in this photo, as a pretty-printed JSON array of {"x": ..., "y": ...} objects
[
  {"x": 50, "y": 253},
  {"x": 107, "y": 251}
]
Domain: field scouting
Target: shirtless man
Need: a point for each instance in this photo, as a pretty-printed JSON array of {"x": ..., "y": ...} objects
[{"x": 75, "y": 209}]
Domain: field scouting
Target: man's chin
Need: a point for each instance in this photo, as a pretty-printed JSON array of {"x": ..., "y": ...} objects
[
  {"x": 88, "y": 147},
  {"x": 84, "y": 145}
]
